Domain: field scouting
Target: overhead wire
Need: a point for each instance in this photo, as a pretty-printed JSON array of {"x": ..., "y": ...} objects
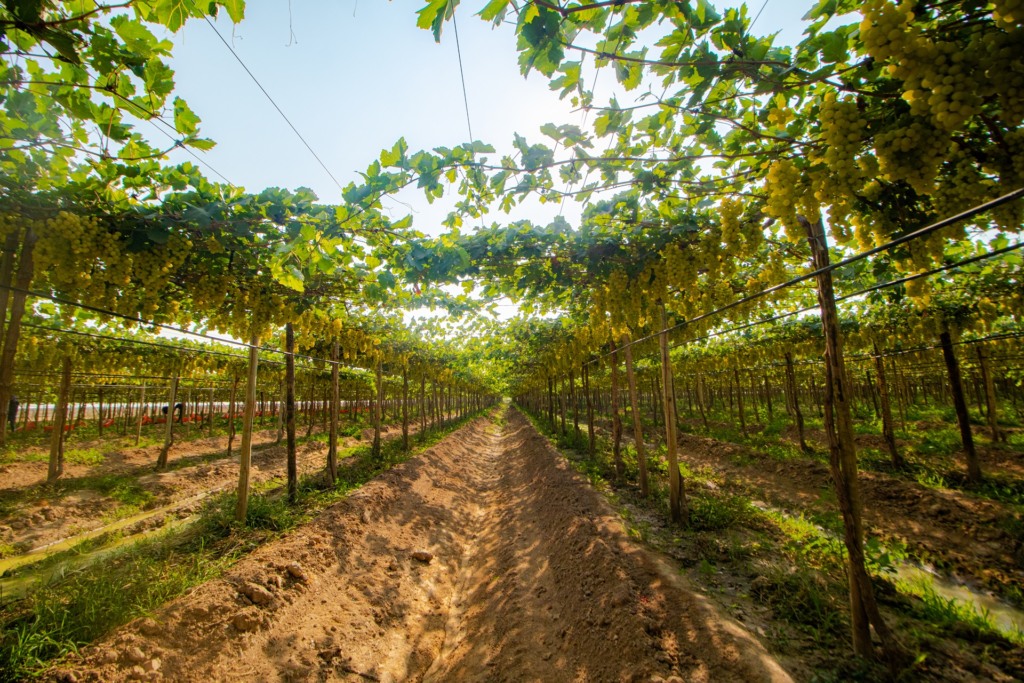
[
  {"x": 151, "y": 323},
  {"x": 269, "y": 98},
  {"x": 852, "y": 295},
  {"x": 144, "y": 342},
  {"x": 893, "y": 353},
  {"x": 903, "y": 239}
]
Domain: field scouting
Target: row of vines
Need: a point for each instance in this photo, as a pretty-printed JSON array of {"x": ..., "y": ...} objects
[{"x": 767, "y": 228}]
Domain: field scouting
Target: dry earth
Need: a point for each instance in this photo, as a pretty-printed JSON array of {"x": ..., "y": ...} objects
[
  {"x": 201, "y": 467},
  {"x": 485, "y": 558}
]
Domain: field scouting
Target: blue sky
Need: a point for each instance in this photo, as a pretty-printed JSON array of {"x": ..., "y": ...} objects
[{"x": 354, "y": 76}]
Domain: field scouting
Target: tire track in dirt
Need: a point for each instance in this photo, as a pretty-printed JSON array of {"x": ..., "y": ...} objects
[{"x": 530, "y": 576}]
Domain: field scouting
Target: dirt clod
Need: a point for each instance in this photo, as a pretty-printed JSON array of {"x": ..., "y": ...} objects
[
  {"x": 258, "y": 594},
  {"x": 245, "y": 622},
  {"x": 422, "y": 556},
  {"x": 150, "y": 627},
  {"x": 135, "y": 655},
  {"x": 297, "y": 572}
]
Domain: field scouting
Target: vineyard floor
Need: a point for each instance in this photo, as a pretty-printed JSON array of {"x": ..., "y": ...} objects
[
  {"x": 33, "y": 515},
  {"x": 947, "y": 527},
  {"x": 485, "y": 558}
]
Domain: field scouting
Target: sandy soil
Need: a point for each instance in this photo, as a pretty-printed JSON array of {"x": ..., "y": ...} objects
[
  {"x": 485, "y": 558},
  {"x": 200, "y": 467}
]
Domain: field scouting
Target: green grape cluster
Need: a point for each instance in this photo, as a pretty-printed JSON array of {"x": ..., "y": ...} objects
[
  {"x": 680, "y": 273},
  {"x": 963, "y": 185},
  {"x": 1008, "y": 13},
  {"x": 1002, "y": 55},
  {"x": 779, "y": 117},
  {"x": 948, "y": 81},
  {"x": 789, "y": 196},
  {"x": 912, "y": 153},
  {"x": 729, "y": 212},
  {"x": 842, "y": 136}
]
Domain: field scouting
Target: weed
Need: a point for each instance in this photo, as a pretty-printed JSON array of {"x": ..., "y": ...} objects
[
  {"x": 85, "y": 456},
  {"x": 931, "y": 480},
  {"x": 717, "y": 512},
  {"x": 938, "y": 442},
  {"x": 804, "y": 597},
  {"x": 952, "y": 613}
]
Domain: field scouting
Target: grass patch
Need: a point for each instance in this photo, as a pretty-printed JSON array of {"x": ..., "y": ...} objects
[
  {"x": 716, "y": 512},
  {"x": 85, "y": 456},
  {"x": 964, "y": 619}
]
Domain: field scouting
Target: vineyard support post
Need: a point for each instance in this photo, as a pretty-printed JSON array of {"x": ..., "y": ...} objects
[
  {"x": 591, "y": 439},
  {"x": 561, "y": 402},
  {"x": 838, "y": 425},
  {"x": 678, "y": 508},
  {"x": 281, "y": 410},
  {"x": 793, "y": 401},
  {"x": 6, "y": 273},
  {"x": 739, "y": 401},
  {"x": 289, "y": 405},
  {"x": 142, "y": 414},
  {"x": 960, "y": 405},
  {"x": 574, "y": 399},
  {"x": 378, "y": 407},
  {"x": 56, "y": 467},
  {"x": 638, "y": 433},
  {"x": 99, "y": 412},
  {"x": 620, "y": 467},
  {"x": 245, "y": 452},
  {"x": 885, "y": 407},
  {"x": 423, "y": 404},
  {"x": 172, "y": 395},
  {"x": 332, "y": 434},
  {"x": 232, "y": 408},
  {"x": 992, "y": 409},
  {"x": 405, "y": 407}
]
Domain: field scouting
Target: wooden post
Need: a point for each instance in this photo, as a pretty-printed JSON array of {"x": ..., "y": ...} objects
[
  {"x": 885, "y": 408},
  {"x": 289, "y": 404},
  {"x": 960, "y": 405},
  {"x": 56, "y": 468},
  {"x": 992, "y": 409},
  {"x": 377, "y": 407},
  {"x": 838, "y": 425},
  {"x": 245, "y": 453},
  {"x": 620, "y": 468},
  {"x": 232, "y": 407},
  {"x": 423, "y": 404},
  {"x": 161, "y": 461},
  {"x": 142, "y": 414},
  {"x": 739, "y": 401},
  {"x": 405, "y": 407},
  {"x": 332, "y": 439},
  {"x": 678, "y": 508},
  {"x": 99, "y": 412},
  {"x": 23, "y": 280},
  {"x": 794, "y": 401},
  {"x": 591, "y": 438},
  {"x": 638, "y": 433}
]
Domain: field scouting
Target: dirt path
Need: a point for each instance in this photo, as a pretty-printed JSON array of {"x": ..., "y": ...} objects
[{"x": 485, "y": 558}]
